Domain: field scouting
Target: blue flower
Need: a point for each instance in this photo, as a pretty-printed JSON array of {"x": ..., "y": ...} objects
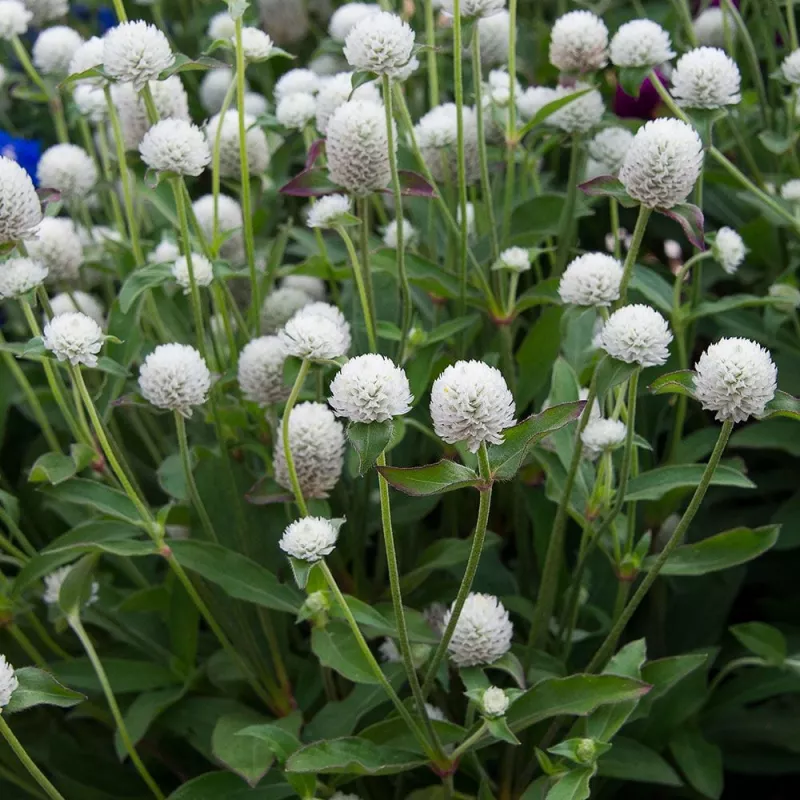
[
  {"x": 26, "y": 152},
  {"x": 106, "y": 18}
]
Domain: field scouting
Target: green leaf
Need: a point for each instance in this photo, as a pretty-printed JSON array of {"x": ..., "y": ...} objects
[
  {"x": 281, "y": 743},
  {"x": 629, "y": 760},
  {"x": 248, "y": 756},
  {"x": 680, "y": 382},
  {"x": 443, "y": 476},
  {"x": 783, "y": 405},
  {"x": 125, "y": 675},
  {"x": 352, "y": 756},
  {"x": 369, "y": 441},
  {"x": 505, "y": 459},
  {"x": 447, "y": 330},
  {"x": 608, "y": 186},
  {"x": 39, "y": 688},
  {"x": 76, "y": 590},
  {"x": 217, "y": 785},
  {"x": 143, "y": 712},
  {"x": 655, "y": 289},
  {"x": 104, "y": 499},
  {"x": 776, "y": 143},
  {"x": 632, "y": 78},
  {"x": 725, "y": 550},
  {"x": 52, "y": 468},
  {"x": 711, "y": 308},
  {"x": 546, "y": 110},
  {"x": 111, "y": 367},
  {"x": 611, "y": 373},
  {"x": 663, "y": 674},
  {"x": 499, "y": 729},
  {"x": 573, "y": 785},
  {"x": 139, "y": 281},
  {"x": 763, "y": 640},
  {"x": 336, "y": 647},
  {"x": 690, "y": 218},
  {"x": 511, "y": 665},
  {"x": 544, "y": 293},
  {"x": 655, "y": 483},
  {"x": 699, "y": 761}
]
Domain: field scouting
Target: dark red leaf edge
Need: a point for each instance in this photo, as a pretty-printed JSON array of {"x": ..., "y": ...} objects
[
  {"x": 314, "y": 152},
  {"x": 695, "y": 234},
  {"x": 302, "y": 185}
]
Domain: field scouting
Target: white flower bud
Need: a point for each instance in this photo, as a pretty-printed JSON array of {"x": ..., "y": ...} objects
[
  {"x": 516, "y": 259},
  {"x": 175, "y": 376},
  {"x": 498, "y": 87},
  {"x": 335, "y": 90},
  {"x": 578, "y": 42},
  {"x": 474, "y": 8},
  {"x": 494, "y": 35},
  {"x": 729, "y": 250},
  {"x": 19, "y": 276},
  {"x": 736, "y": 378},
  {"x": 434, "y": 713},
  {"x": 201, "y": 268},
  {"x": 65, "y": 303},
  {"x": 14, "y": 19},
  {"x": 640, "y": 43},
  {"x": 174, "y": 145},
  {"x": 706, "y": 78},
  {"x": 314, "y": 287},
  {"x": 58, "y": 247},
  {"x": 788, "y": 295},
  {"x": 482, "y": 633},
  {"x": 256, "y": 142},
  {"x": 382, "y": 43},
  {"x": 73, "y": 337},
  {"x": 389, "y": 652},
  {"x": 580, "y": 115},
  {"x": 54, "y": 48},
  {"x": 318, "y": 332},
  {"x": 296, "y": 81},
  {"x": 494, "y": 702},
  {"x": 260, "y": 371},
  {"x": 328, "y": 210},
  {"x": 790, "y": 68},
  {"x": 310, "y": 539},
  {"x": 229, "y": 218},
  {"x": 610, "y": 146},
  {"x": 347, "y": 16},
  {"x": 170, "y": 100},
  {"x": 221, "y": 26},
  {"x": 280, "y": 306},
  {"x": 592, "y": 279},
  {"x": 295, "y": 111},
  {"x": 436, "y": 134},
  {"x": 410, "y": 234},
  {"x": 637, "y": 334},
  {"x": 709, "y": 27},
  {"x": 55, "y": 580},
  {"x": 256, "y": 45},
  {"x": 135, "y": 52},
  {"x": 68, "y": 169},
  {"x": 602, "y": 435},
  {"x": 370, "y": 388},
  {"x": 8, "y": 680}
]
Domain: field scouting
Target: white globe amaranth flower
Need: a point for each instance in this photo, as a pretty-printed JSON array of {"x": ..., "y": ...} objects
[
  {"x": 14, "y": 19},
  {"x": 314, "y": 287},
  {"x": 470, "y": 402},
  {"x": 175, "y": 376},
  {"x": 791, "y": 190},
  {"x": 20, "y": 209},
  {"x": 592, "y": 279},
  {"x": 516, "y": 259},
  {"x": 8, "y": 682},
  {"x": 73, "y": 337},
  {"x": 318, "y": 332},
  {"x": 637, "y": 334},
  {"x": 136, "y": 52},
  {"x": 202, "y": 270},
  {"x": 175, "y": 145},
  {"x": 296, "y": 81},
  {"x": 602, "y": 435},
  {"x": 91, "y": 101},
  {"x": 280, "y": 306},
  {"x": 709, "y": 27},
  {"x": 316, "y": 439},
  {"x": 436, "y": 134},
  {"x": 310, "y": 538},
  {"x": 347, "y": 16},
  {"x": 221, "y": 26},
  {"x": 87, "y": 56},
  {"x": 790, "y": 67},
  {"x": 494, "y": 36},
  {"x": 579, "y": 115},
  {"x": 736, "y": 378},
  {"x": 255, "y": 104},
  {"x": 55, "y": 580},
  {"x": 498, "y": 87},
  {"x": 579, "y": 42},
  {"x": 165, "y": 252},
  {"x": 170, "y": 99},
  {"x": 663, "y": 163},
  {"x": 46, "y": 10},
  {"x": 610, "y": 146},
  {"x": 335, "y": 90},
  {"x": 370, "y": 388},
  {"x": 295, "y": 111},
  {"x": 535, "y": 98},
  {"x": 729, "y": 250},
  {"x": 67, "y": 302},
  {"x": 357, "y": 147},
  {"x": 19, "y": 276},
  {"x": 328, "y": 211},
  {"x": 494, "y": 702},
  {"x": 214, "y": 87},
  {"x": 706, "y": 77},
  {"x": 410, "y": 234},
  {"x": 474, "y": 8},
  {"x": 640, "y": 43},
  {"x": 68, "y": 169},
  {"x": 255, "y": 140},
  {"x": 229, "y": 219},
  {"x": 482, "y": 633},
  {"x": 54, "y": 48},
  {"x": 57, "y": 244},
  {"x": 286, "y": 21},
  {"x": 256, "y": 45},
  {"x": 382, "y": 43},
  {"x": 260, "y": 371}
]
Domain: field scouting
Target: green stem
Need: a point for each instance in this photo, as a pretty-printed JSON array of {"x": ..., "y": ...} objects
[
  {"x": 792, "y": 23},
  {"x": 613, "y": 207},
  {"x": 567, "y": 224},
  {"x": 633, "y": 252},
  {"x": 215, "y": 157},
  {"x": 430, "y": 41},
  {"x": 194, "y": 495},
  {"x": 685, "y": 14},
  {"x": 30, "y": 789},
  {"x": 27, "y": 645},
  {"x": 108, "y": 173},
  {"x": 470, "y": 741},
  {"x": 17, "y": 533},
  {"x": 458, "y": 77},
  {"x": 27, "y": 761},
  {"x": 364, "y": 216},
  {"x": 744, "y": 661},
  {"x": 358, "y": 275},
  {"x": 287, "y": 448}
]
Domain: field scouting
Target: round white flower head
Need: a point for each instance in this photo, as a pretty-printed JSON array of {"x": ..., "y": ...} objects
[
  {"x": 790, "y": 68},
  {"x": 255, "y": 104},
  {"x": 221, "y": 26},
  {"x": 55, "y": 580},
  {"x": 318, "y": 332},
  {"x": 516, "y": 259},
  {"x": 315, "y": 288},
  {"x": 73, "y": 337},
  {"x": 498, "y": 87},
  {"x": 255, "y": 139},
  {"x": 483, "y": 631},
  {"x": 68, "y": 169},
  {"x": 534, "y": 98},
  {"x": 672, "y": 250},
  {"x": 170, "y": 100},
  {"x": 602, "y": 435},
  {"x": 87, "y": 56},
  {"x": 436, "y": 134},
  {"x": 296, "y": 81},
  {"x": 663, "y": 163},
  {"x": 229, "y": 214},
  {"x": 176, "y": 377},
  {"x": 791, "y": 190},
  {"x": 328, "y": 210},
  {"x": 310, "y": 539},
  {"x": 296, "y": 110},
  {"x": 382, "y": 43},
  {"x": 67, "y": 302},
  {"x": 19, "y": 275},
  {"x": 54, "y": 48},
  {"x": 14, "y": 19},
  {"x": 316, "y": 439},
  {"x": 494, "y": 34},
  {"x": 706, "y": 78},
  {"x": 286, "y": 21},
  {"x": 637, "y": 334},
  {"x": 346, "y": 17},
  {"x": 610, "y": 147},
  {"x": 175, "y": 145},
  {"x": 410, "y": 234},
  {"x": 165, "y": 252},
  {"x": 581, "y": 115},
  {"x": 201, "y": 268},
  {"x": 8, "y": 682},
  {"x": 47, "y": 10},
  {"x": 470, "y": 402},
  {"x": 135, "y": 52},
  {"x": 213, "y": 88},
  {"x": 474, "y": 8},
  {"x": 370, "y": 388},
  {"x": 334, "y": 90},
  {"x": 736, "y": 378},
  {"x": 280, "y": 306},
  {"x": 58, "y": 246},
  {"x": 261, "y": 371},
  {"x": 578, "y": 42},
  {"x": 91, "y": 101},
  {"x": 256, "y": 45},
  {"x": 729, "y": 250},
  {"x": 494, "y": 702},
  {"x": 709, "y": 27},
  {"x": 592, "y": 279},
  {"x": 357, "y": 147},
  {"x": 640, "y": 43}
]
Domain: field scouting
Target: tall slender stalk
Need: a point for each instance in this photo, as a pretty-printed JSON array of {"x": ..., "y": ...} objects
[
  {"x": 458, "y": 79},
  {"x": 287, "y": 447},
  {"x": 27, "y": 761},
  {"x": 358, "y": 275},
  {"x": 633, "y": 252},
  {"x": 430, "y": 41},
  {"x": 364, "y": 216},
  {"x": 194, "y": 495},
  {"x": 567, "y": 224}
]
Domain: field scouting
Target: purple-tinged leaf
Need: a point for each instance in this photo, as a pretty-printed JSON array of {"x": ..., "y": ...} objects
[
  {"x": 690, "y": 218},
  {"x": 314, "y": 152},
  {"x": 412, "y": 184},
  {"x": 608, "y": 186},
  {"x": 310, "y": 183}
]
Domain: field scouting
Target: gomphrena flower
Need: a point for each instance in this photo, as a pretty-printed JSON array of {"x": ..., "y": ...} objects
[
  {"x": 8, "y": 682},
  {"x": 14, "y": 19},
  {"x": 280, "y": 306},
  {"x": 68, "y": 169},
  {"x": 55, "y": 580},
  {"x": 54, "y": 48},
  {"x": 663, "y": 163},
  {"x": 494, "y": 702},
  {"x": 315, "y": 288},
  {"x": 736, "y": 378},
  {"x": 287, "y": 21},
  {"x": 328, "y": 211},
  {"x": 260, "y": 371},
  {"x": 214, "y": 87},
  {"x": 91, "y": 101},
  {"x": 73, "y": 337},
  {"x": 436, "y": 134},
  {"x": 229, "y": 219},
  {"x": 19, "y": 275},
  {"x": 609, "y": 147},
  {"x": 640, "y": 43},
  {"x": 592, "y": 279},
  {"x": 20, "y": 210},
  {"x": 136, "y": 52},
  {"x": 706, "y": 77},
  {"x": 470, "y": 402},
  {"x": 221, "y": 26},
  {"x": 709, "y": 27},
  {"x": 165, "y": 252},
  {"x": 57, "y": 245},
  {"x": 295, "y": 111},
  {"x": 602, "y": 435},
  {"x": 579, "y": 42},
  {"x": 515, "y": 259},
  {"x": 580, "y": 115},
  {"x": 474, "y": 8},
  {"x": 87, "y": 56},
  {"x": 370, "y": 388},
  {"x": 498, "y": 87},
  {"x": 318, "y": 332},
  {"x": 256, "y": 45},
  {"x": 410, "y": 234},
  {"x": 316, "y": 439},
  {"x": 357, "y": 147},
  {"x": 494, "y": 35},
  {"x": 335, "y": 90},
  {"x": 533, "y": 99},
  {"x": 175, "y": 145},
  {"x": 295, "y": 81},
  {"x": 47, "y": 10},
  {"x": 482, "y": 633},
  {"x": 347, "y": 16},
  {"x": 255, "y": 104},
  {"x": 382, "y": 43},
  {"x": 202, "y": 270},
  {"x": 637, "y": 334},
  {"x": 67, "y": 302},
  {"x": 255, "y": 139},
  {"x": 728, "y": 249},
  {"x": 310, "y": 538},
  {"x": 790, "y": 68},
  {"x": 175, "y": 376}
]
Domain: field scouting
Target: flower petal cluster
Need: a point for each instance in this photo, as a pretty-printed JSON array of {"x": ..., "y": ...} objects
[
  {"x": 310, "y": 539},
  {"x": 474, "y": 8},
  {"x": 202, "y": 270},
  {"x": 609, "y": 147},
  {"x": 534, "y": 98},
  {"x": 296, "y": 110},
  {"x": 494, "y": 35},
  {"x": 663, "y": 163},
  {"x": 328, "y": 210},
  {"x": 436, "y": 134},
  {"x": 729, "y": 250},
  {"x": 470, "y": 402},
  {"x": 592, "y": 279},
  {"x": 66, "y": 302},
  {"x": 579, "y": 42},
  {"x": 175, "y": 145},
  {"x": 255, "y": 140},
  {"x": 410, "y": 234},
  {"x": 318, "y": 331},
  {"x": 55, "y": 580},
  {"x": 8, "y": 682},
  {"x": 482, "y": 633},
  {"x": 14, "y": 19},
  {"x": 87, "y": 56},
  {"x": 73, "y": 337},
  {"x": 335, "y": 90},
  {"x": 637, "y": 334},
  {"x": 580, "y": 115},
  {"x": 790, "y": 68},
  {"x": 57, "y": 245},
  {"x": 54, "y": 48},
  {"x": 221, "y": 26},
  {"x": 736, "y": 378},
  {"x": 602, "y": 435},
  {"x": 280, "y": 306},
  {"x": 136, "y": 52},
  {"x": 381, "y": 43},
  {"x": 170, "y": 99},
  {"x": 347, "y": 16},
  {"x": 20, "y": 210},
  {"x": 791, "y": 190},
  {"x": 256, "y": 45},
  {"x": 260, "y": 371},
  {"x": 516, "y": 259},
  {"x": 19, "y": 275},
  {"x": 494, "y": 702},
  {"x": 91, "y": 101},
  {"x": 295, "y": 81},
  {"x": 370, "y": 388},
  {"x": 68, "y": 169},
  {"x": 706, "y": 77},
  {"x": 175, "y": 376},
  {"x": 640, "y": 43}
]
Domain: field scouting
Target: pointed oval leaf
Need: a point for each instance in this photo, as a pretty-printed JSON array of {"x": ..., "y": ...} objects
[
  {"x": 680, "y": 382},
  {"x": 139, "y": 281},
  {"x": 312, "y": 182},
  {"x": 36, "y": 688},
  {"x": 690, "y": 218},
  {"x": 248, "y": 756},
  {"x": 52, "y": 468},
  {"x": 763, "y": 640},
  {"x": 352, "y": 756},
  {"x": 783, "y": 405},
  {"x": 655, "y": 483},
  {"x": 369, "y": 441},
  {"x": 443, "y": 476},
  {"x": 608, "y": 186}
]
